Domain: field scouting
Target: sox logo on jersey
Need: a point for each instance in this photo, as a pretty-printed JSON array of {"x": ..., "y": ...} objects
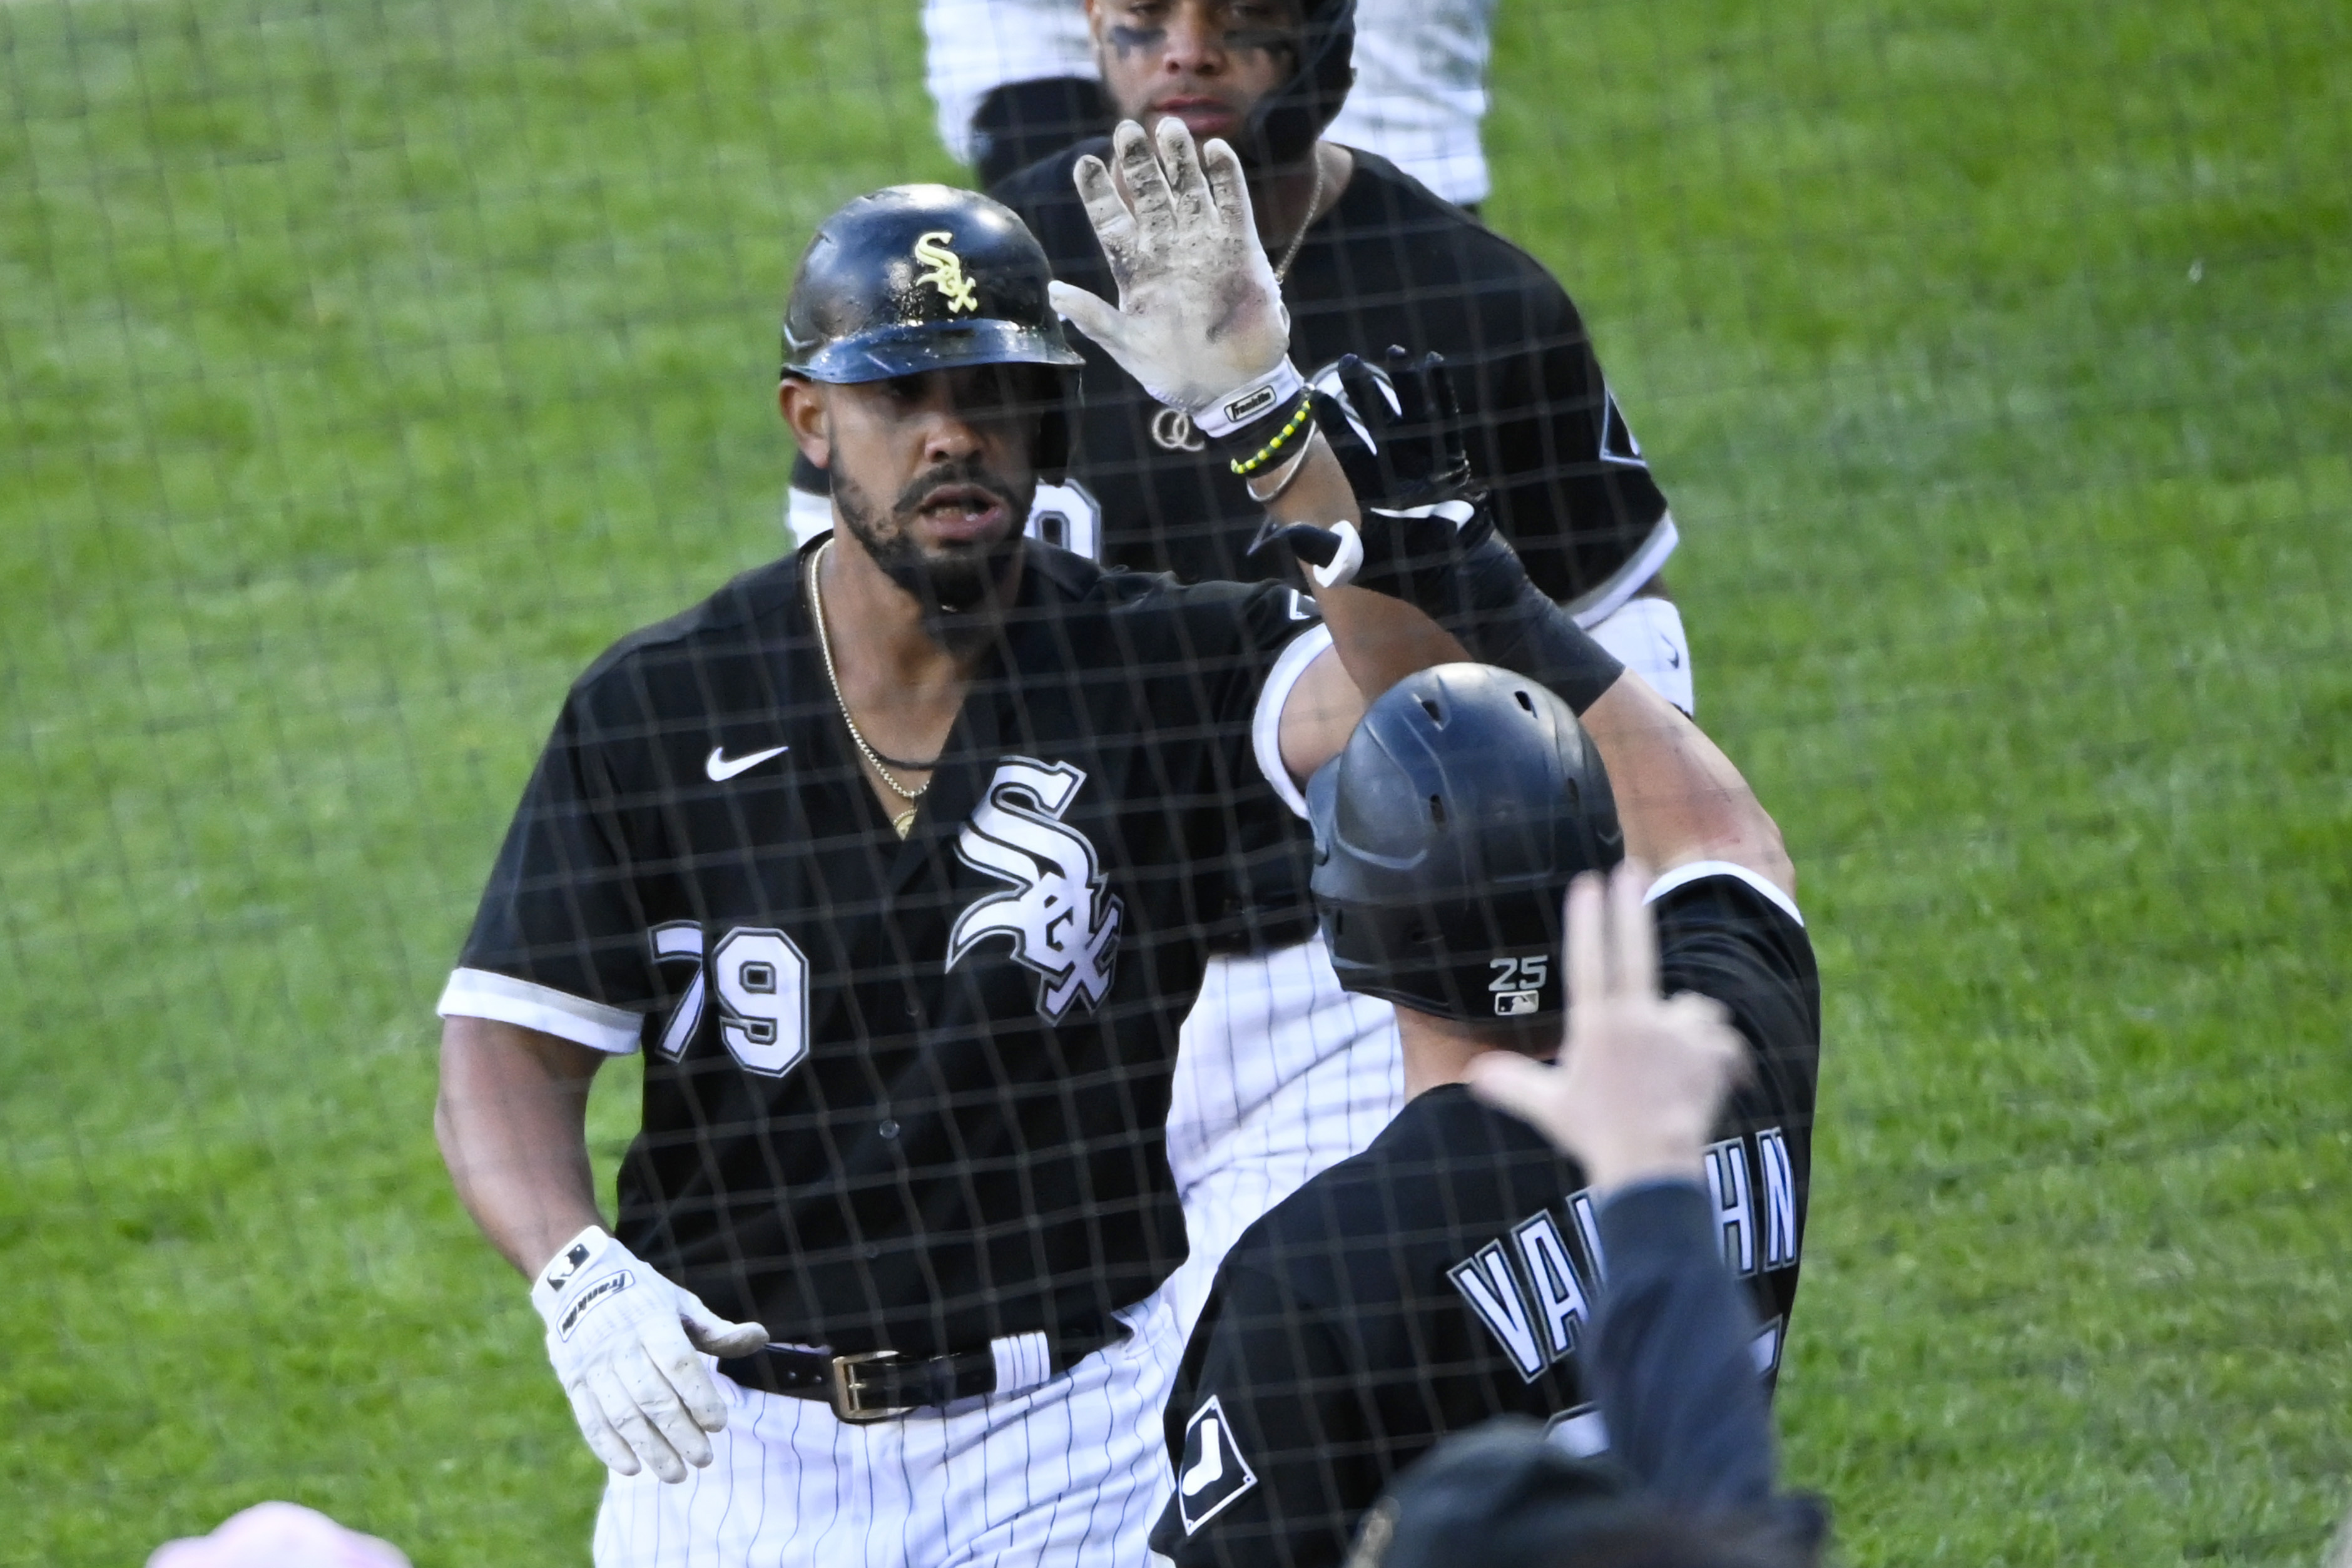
[{"x": 1062, "y": 917}]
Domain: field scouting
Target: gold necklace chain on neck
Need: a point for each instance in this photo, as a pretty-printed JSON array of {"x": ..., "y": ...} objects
[
  {"x": 1282, "y": 271},
  {"x": 905, "y": 821}
]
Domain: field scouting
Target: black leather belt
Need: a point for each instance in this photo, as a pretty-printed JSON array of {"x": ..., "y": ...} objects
[{"x": 877, "y": 1385}]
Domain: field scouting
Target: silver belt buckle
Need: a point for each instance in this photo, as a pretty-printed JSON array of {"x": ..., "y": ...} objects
[{"x": 848, "y": 1395}]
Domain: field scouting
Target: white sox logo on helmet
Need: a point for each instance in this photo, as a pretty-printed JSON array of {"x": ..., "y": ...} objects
[
  {"x": 1063, "y": 918},
  {"x": 944, "y": 270}
]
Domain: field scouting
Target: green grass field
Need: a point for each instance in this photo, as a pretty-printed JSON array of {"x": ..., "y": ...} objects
[{"x": 369, "y": 367}]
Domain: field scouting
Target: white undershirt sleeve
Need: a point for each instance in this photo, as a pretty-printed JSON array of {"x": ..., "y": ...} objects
[
  {"x": 1265, "y": 724},
  {"x": 1698, "y": 870},
  {"x": 479, "y": 993}
]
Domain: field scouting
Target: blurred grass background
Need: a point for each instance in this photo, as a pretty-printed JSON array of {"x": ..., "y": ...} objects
[{"x": 370, "y": 367}]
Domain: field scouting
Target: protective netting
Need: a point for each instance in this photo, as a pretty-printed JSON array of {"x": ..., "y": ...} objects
[{"x": 371, "y": 368}]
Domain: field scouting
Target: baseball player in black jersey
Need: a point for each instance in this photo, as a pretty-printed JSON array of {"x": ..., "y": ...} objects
[
  {"x": 1283, "y": 1073},
  {"x": 1690, "y": 1478},
  {"x": 1368, "y": 256},
  {"x": 1443, "y": 1276},
  {"x": 898, "y": 860}
]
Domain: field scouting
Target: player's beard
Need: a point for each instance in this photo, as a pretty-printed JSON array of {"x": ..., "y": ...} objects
[{"x": 954, "y": 582}]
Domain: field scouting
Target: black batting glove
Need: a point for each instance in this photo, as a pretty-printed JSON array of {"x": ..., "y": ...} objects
[
  {"x": 1397, "y": 432},
  {"x": 1428, "y": 537}
]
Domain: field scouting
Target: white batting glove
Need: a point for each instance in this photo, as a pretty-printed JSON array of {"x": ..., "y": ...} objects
[
  {"x": 1200, "y": 324},
  {"x": 624, "y": 1341}
]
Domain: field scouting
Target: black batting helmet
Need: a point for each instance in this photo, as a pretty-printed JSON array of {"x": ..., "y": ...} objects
[
  {"x": 1504, "y": 1492},
  {"x": 1445, "y": 836},
  {"x": 921, "y": 278}
]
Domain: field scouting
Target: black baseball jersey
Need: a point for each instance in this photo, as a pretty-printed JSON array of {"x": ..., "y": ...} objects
[
  {"x": 1390, "y": 264},
  {"x": 897, "y": 1095},
  {"x": 1442, "y": 1276}
]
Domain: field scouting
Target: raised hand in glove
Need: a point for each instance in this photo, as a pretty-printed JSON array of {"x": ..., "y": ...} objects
[
  {"x": 1200, "y": 322},
  {"x": 1397, "y": 432},
  {"x": 625, "y": 1342},
  {"x": 1427, "y": 536}
]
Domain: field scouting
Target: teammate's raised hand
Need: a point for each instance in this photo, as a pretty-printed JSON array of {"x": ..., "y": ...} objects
[
  {"x": 1199, "y": 317},
  {"x": 1397, "y": 432},
  {"x": 624, "y": 1343},
  {"x": 1642, "y": 1078}
]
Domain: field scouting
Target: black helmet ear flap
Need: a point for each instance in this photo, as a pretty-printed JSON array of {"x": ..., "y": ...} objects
[{"x": 1289, "y": 120}]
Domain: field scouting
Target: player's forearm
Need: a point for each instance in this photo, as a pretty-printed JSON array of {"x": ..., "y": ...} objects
[
  {"x": 1679, "y": 799},
  {"x": 511, "y": 1121},
  {"x": 1380, "y": 639}
]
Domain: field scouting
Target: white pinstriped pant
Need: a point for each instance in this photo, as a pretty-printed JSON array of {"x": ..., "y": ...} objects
[{"x": 1073, "y": 1471}]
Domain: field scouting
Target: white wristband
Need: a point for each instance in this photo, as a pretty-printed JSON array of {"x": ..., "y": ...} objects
[{"x": 1252, "y": 400}]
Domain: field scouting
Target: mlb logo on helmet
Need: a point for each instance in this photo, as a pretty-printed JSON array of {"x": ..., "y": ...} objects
[{"x": 1517, "y": 985}]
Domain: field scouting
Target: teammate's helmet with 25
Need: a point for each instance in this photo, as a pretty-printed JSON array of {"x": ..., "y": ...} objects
[
  {"x": 1445, "y": 836},
  {"x": 921, "y": 278}
]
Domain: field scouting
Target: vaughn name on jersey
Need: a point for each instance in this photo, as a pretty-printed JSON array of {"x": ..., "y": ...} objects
[
  {"x": 899, "y": 1095},
  {"x": 1442, "y": 1276}
]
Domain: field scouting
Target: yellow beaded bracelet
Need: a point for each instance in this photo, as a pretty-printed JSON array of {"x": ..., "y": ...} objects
[{"x": 1300, "y": 418}]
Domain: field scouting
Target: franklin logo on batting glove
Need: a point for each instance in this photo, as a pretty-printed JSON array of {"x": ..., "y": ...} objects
[{"x": 599, "y": 1291}]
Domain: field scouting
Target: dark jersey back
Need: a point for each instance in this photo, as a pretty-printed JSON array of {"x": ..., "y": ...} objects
[
  {"x": 1441, "y": 1276},
  {"x": 1390, "y": 264},
  {"x": 903, "y": 1095}
]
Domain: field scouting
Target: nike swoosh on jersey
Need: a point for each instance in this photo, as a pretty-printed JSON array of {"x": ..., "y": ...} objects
[{"x": 721, "y": 767}]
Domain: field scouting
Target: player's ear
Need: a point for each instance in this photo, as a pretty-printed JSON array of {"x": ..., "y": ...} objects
[{"x": 802, "y": 407}]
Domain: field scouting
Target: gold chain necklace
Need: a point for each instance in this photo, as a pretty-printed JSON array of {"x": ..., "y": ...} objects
[
  {"x": 1282, "y": 271},
  {"x": 905, "y": 821}
]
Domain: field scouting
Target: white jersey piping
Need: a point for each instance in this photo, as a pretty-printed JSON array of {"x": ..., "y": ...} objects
[
  {"x": 501, "y": 998},
  {"x": 1699, "y": 870},
  {"x": 1265, "y": 724}
]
